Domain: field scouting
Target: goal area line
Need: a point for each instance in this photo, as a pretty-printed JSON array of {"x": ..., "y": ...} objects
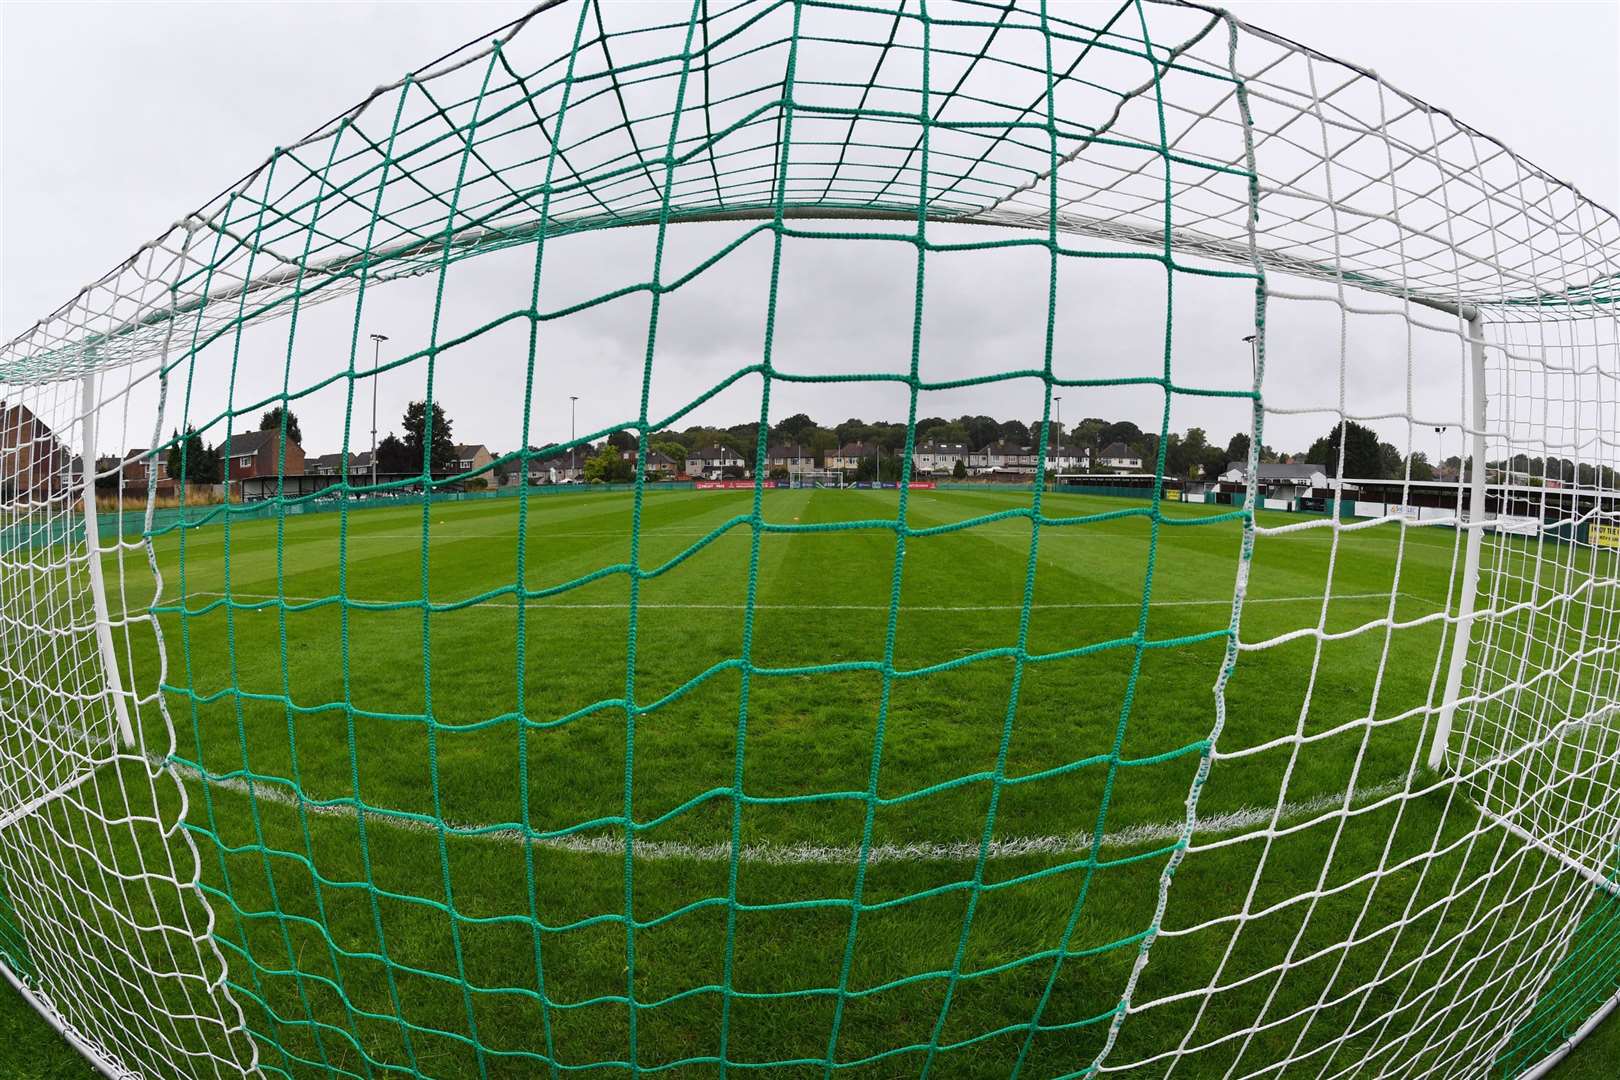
[
  {"x": 799, "y": 854},
  {"x": 270, "y": 601}
]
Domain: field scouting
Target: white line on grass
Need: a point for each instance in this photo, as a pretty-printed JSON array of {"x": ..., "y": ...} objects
[
  {"x": 699, "y": 606},
  {"x": 802, "y": 854}
]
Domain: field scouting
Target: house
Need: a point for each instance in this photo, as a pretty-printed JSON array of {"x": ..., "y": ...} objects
[
  {"x": 33, "y": 462},
  {"x": 1278, "y": 481},
  {"x": 795, "y": 459},
  {"x": 938, "y": 457},
  {"x": 710, "y": 461},
  {"x": 334, "y": 464},
  {"x": 259, "y": 453},
  {"x": 472, "y": 457},
  {"x": 850, "y": 456},
  {"x": 1003, "y": 456},
  {"x": 140, "y": 468},
  {"x": 549, "y": 465},
  {"x": 660, "y": 464},
  {"x": 1116, "y": 455},
  {"x": 1068, "y": 459}
]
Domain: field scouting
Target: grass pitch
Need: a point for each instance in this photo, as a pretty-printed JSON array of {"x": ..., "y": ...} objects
[{"x": 460, "y": 816}]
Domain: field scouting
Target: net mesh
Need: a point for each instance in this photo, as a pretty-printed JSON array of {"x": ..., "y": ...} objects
[{"x": 373, "y": 777}]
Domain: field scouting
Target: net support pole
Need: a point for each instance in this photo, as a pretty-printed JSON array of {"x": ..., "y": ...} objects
[
  {"x": 92, "y": 553},
  {"x": 95, "y": 1054},
  {"x": 1476, "y": 540}
]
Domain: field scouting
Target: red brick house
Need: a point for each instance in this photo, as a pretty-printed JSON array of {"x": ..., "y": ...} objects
[
  {"x": 139, "y": 468},
  {"x": 33, "y": 462},
  {"x": 258, "y": 453}
]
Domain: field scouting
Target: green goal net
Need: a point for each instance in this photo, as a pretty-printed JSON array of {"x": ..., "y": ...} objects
[{"x": 712, "y": 737}]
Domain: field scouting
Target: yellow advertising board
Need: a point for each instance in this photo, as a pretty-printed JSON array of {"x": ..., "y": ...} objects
[{"x": 1606, "y": 536}]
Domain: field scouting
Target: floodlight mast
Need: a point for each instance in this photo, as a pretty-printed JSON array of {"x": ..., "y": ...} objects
[{"x": 376, "y": 356}]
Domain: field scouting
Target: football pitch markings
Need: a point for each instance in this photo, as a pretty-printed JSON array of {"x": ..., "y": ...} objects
[
  {"x": 802, "y": 854},
  {"x": 758, "y": 606}
]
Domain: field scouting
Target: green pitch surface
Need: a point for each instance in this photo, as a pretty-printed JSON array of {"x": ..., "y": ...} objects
[{"x": 861, "y": 841}]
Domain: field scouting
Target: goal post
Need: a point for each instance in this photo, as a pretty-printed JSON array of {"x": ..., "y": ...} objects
[
  {"x": 92, "y": 559},
  {"x": 1471, "y": 519},
  {"x": 332, "y": 757}
]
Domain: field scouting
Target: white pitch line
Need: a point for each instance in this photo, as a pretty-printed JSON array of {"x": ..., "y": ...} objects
[
  {"x": 804, "y": 854},
  {"x": 1132, "y": 605}
]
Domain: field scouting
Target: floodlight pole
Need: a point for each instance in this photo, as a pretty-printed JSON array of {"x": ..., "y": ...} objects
[
  {"x": 573, "y": 461},
  {"x": 1476, "y": 539},
  {"x": 1058, "y": 401},
  {"x": 376, "y": 357}
]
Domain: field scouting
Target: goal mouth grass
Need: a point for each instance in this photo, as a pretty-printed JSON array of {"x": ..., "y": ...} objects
[{"x": 410, "y": 770}]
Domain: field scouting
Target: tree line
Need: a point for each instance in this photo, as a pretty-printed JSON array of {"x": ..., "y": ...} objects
[
  {"x": 198, "y": 462},
  {"x": 1191, "y": 454}
]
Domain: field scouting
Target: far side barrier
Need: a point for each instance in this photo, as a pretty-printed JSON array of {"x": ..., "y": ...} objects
[{"x": 132, "y": 521}]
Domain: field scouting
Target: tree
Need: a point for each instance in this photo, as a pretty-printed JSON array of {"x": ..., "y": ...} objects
[
  {"x": 795, "y": 429},
  {"x": 1237, "y": 447},
  {"x": 1015, "y": 432},
  {"x": 819, "y": 440},
  {"x": 981, "y": 430},
  {"x": 394, "y": 457},
  {"x": 892, "y": 437},
  {"x": 779, "y": 472},
  {"x": 200, "y": 463},
  {"x": 1362, "y": 459},
  {"x": 622, "y": 440},
  {"x": 442, "y": 454},
  {"x": 950, "y": 431},
  {"x": 871, "y": 467},
  {"x": 271, "y": 421},
  {"x": 1176, "y": 459},
  {"x": 959, "y": 471},
  {"x": 606, "y": 466},
  {"x": 1054, "y": 433},
  {"x": 672, "y": 450},
  {"x": 743, "y": 438},
  {"x": 1122, "y": 431},
  {"x": 501, "y": 471},
  {"x": 1421, "y": 469},
  {"x": 1088, "y": 432},
  {"x": 1391, "y": 465}
]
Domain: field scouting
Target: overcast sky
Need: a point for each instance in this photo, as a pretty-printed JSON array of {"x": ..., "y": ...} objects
[{"x": 120, "y": 118}]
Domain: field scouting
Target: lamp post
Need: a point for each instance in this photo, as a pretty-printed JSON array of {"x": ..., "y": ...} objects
[
  {"x": 1440, "y": 462},
  {"x": 1254, "y": 357},
  {"x": 573, "y": 451},
  {"x": 1058, "y": 400},
  {"x": 376, "y": 357}
]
